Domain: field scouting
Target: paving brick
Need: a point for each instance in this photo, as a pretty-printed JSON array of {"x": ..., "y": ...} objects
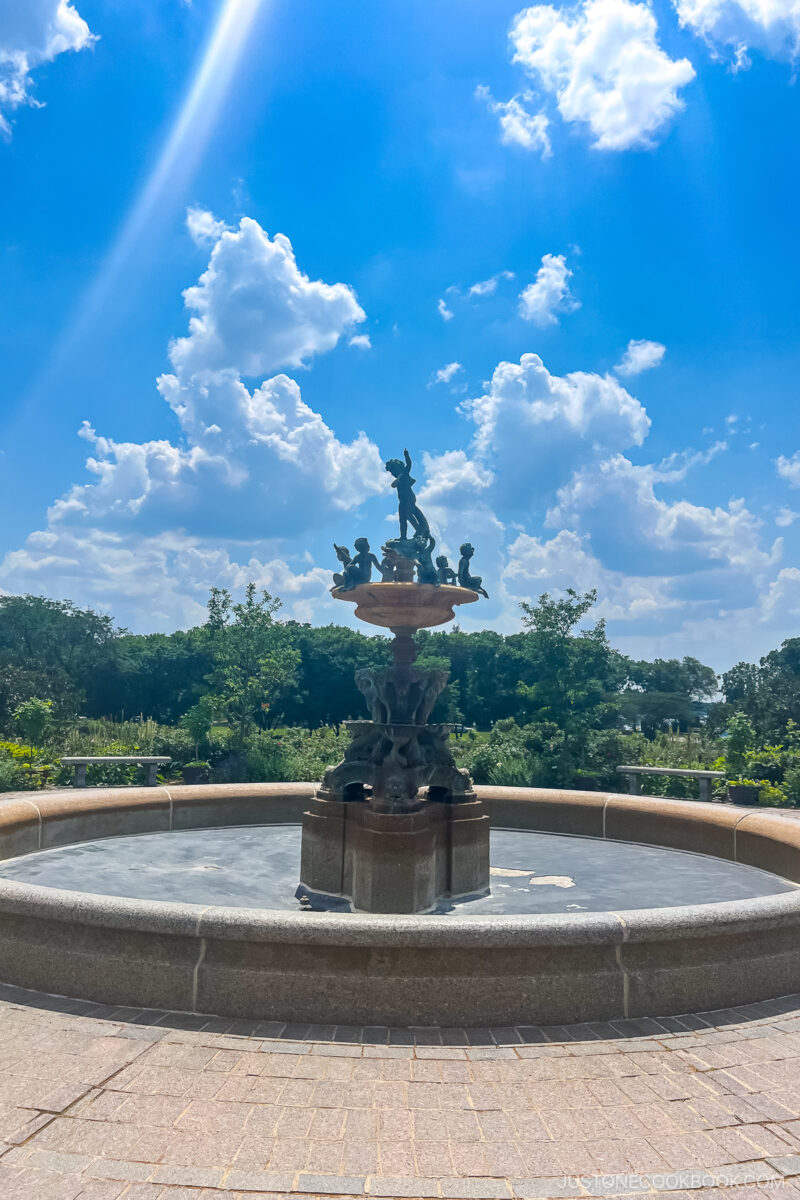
[
  {"x": 787, "y": 1164},
  {"x": 265, "y": 1181},
  {"x": 400, "y": 1186},
  {"x": 476, "y": 1189},
  {"x": 345, "y": 1185}
]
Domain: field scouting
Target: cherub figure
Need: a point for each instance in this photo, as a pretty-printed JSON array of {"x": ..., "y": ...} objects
[
  {"x": 360, "y": 569},
  {"x": 408, "y": 509},
  {"x": 387, "y": 565},
  {"x": 465, "y": 580},
  {"x": 444, "y": 571},
  {"x": 343, "y": 555},
  {"x": 426, "y": 571}
]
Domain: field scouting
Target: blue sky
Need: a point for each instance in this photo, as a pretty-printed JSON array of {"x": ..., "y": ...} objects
[{"x": 608, "y": 174}]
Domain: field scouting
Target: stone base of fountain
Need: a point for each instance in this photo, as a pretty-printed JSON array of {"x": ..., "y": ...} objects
[
  {"x": 395, "y": 826},
  {"x": 393, "y": 862}
]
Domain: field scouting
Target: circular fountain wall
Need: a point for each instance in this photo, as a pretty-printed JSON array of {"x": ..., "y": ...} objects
[{"x": 602, "y": 906}]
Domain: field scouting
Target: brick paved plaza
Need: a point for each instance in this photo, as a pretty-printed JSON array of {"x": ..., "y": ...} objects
[{"x": 105, "y": 1104}]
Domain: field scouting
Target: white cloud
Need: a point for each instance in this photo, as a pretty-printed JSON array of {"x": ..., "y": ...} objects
[
  {"x": 33, "y": 32},
  {"x": 789, "y": 469},
  {"x": 770, "y": 26},
  {"x": 444, "y": 312},
  {"x": 154, "y": 582},
  {"x": 537, "y": 565},
  {"x": 549, "y": 294},
  {"x": 445, "y": 374},
  {"x": 640, "y": 355},
  {"x": 615, "y": 502},
  {"x": 518, "y": 126},
  {"x": 786, "y": 517},
  {"x": 533, "y": 429},
  {"x": 360, "y": 341},
  {"x": 258, "y": 464},
  {"x": 255, "y": 465},
  {"x": 487, "y": 287},
  {"x": 254, "y": 310},
  {"x": 603, "y": 64},
  {"x": 203, "y": 226}
]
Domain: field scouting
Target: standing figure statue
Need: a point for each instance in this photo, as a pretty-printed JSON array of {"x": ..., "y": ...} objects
[
  {"x": 465, "y": 580},
  {"x": 360, "y": 569},
  {"x": 408, "y": 509},
  {"x": 344, "y": 557},
  {"x": 387, "y": 566},
  {"x": 444, "y": 571}
]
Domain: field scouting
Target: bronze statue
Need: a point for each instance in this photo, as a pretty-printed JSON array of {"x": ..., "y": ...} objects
[
  {"x": 423, "y": 548},
  {"x": 344, "y": 557},
  {"x": 465, "y": 580},
  {"x": 359, "y": 570},
  {"x": 408, "y": 509},
  {"x": 444, "y": 571},
  {"x": 387, "y": 567}
]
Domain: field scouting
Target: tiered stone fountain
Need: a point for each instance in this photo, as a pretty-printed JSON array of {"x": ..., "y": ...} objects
[{"x": 396, "y": 826}]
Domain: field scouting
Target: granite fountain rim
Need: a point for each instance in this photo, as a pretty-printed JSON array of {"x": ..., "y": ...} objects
[{"x": 426, "y": 930}]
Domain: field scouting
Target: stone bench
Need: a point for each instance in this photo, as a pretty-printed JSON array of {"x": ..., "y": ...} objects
[
  {"x": 633, "y": 775},
  {"x": 149, "y": 762}
]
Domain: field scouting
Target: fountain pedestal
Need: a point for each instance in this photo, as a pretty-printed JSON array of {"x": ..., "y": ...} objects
[
  {"x": 396, "y": 827},
  {"x": 406, "y": 862}
]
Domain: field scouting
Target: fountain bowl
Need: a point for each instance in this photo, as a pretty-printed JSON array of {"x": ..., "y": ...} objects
[
  {"x": 405, "y": 606},
  {"x": 330, "y": 967}
]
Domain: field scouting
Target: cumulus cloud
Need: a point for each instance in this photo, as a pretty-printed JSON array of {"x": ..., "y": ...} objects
[
  {"x": 603, "y": 65},
  {"x": 154, "y": 582},
  {"x": 640, "y": 355},
  {"x": 786, "y": 516},
  {"x": 533, "y": 429},
  {"x": 254, "y": 464},
  {"x": 769, "y": 26},
  {"x": 553, "y": 445},
  {"x": 615, "y": 502},
  {"x": 33, "y": 32},
  {"x": 549, "y": 294},
  {"x": 204, "y": 228},
  {"x": 254, "y": 310},
  {"x": 537, "y": 565},
  {"x": 518, "y": 126},
  {"x": 258, "y": 464},
  {"x": 487, "y": 287},
  {"x": 444, "y": 312},
  {"x": 360, "y": 341},
  {"x": 789, "y": 468}
]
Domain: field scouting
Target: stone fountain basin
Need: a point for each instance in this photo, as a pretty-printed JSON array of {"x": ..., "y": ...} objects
[
  {"x": 406, "y": 605},
  {"x": 322, "y": 967}
]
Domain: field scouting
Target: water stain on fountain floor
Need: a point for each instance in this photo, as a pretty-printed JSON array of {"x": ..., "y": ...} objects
[{"x": 256, "y": 867}]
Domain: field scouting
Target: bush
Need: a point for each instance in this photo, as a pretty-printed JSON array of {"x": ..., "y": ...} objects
[
  {"x": 10, "y": 775},
  {"x": 16, "y": 772}
]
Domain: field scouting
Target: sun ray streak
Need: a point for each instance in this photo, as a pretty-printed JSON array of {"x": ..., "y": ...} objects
[{"x": 180, "y": 156}]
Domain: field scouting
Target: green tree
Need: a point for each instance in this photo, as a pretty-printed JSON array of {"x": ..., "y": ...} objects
[
  {"x": 33, "y": 718},
  {"x": 326, "y": 692},
  {"x": 197, "y": 721},
  {"x": 652, "y": 710},
  {"x": 576, "y": 674},
  {"x": 252, "y": 655},
  {"x": 741, "y": 737},
  {"x": 155, "y": 675},
  {"x": 51, "y": 649},
  {"x": 672, "y": 676}
]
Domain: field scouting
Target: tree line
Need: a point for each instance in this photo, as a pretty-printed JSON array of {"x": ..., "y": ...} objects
[
  {"x": 269, "y": 672},
  {"x": 559, "y": 702}
]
